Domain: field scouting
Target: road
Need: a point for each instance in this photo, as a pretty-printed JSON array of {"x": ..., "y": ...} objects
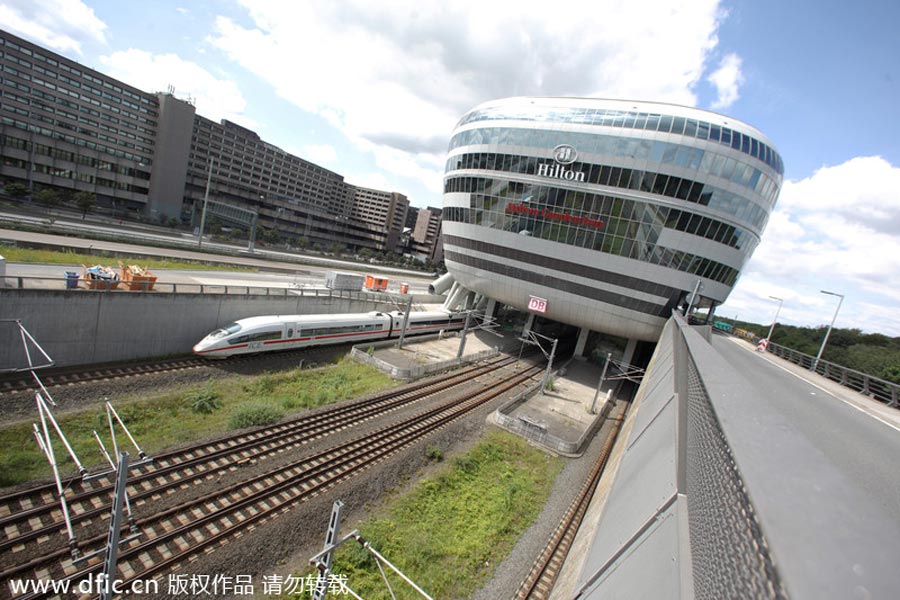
[
  {"x": 141, "y": 237},
  {"x": 858, "y": 436},
  {"x": 824, "y": 476},
  {"x": 277, "y": 269}
]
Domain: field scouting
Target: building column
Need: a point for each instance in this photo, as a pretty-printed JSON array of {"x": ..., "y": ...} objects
[
  {"x": 490, "y": 308},
  {"x": 629, "y": 351},
  {"x": 583, "y": 334},
  {"x": 528, "y": 324}
]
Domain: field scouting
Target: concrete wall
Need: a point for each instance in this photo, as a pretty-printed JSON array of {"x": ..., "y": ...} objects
[{"x": 86, "y": 327}]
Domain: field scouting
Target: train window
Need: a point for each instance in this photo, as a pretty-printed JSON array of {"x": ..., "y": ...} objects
[
  {"x": 227, "y": 330},
  {"x": 239, "y": 339},
  {"x": 290, "y": 332},
  {"x": 260, "y": 336}
]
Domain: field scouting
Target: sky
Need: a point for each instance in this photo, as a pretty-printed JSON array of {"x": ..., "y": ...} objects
[{"x": 372, "y": 91}]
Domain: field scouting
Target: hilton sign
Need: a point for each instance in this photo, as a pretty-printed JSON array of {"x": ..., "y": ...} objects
[{"x": 564, "y": 155}]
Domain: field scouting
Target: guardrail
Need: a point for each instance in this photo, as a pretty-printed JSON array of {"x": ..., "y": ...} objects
[
  {"x": 869, "y": 385},
  {"x": 163, "y": 287}
]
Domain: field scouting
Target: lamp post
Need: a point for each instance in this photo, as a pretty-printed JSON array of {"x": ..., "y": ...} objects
[
  {"x": 772, "y": 328},
  {"x": 687, "y": 311},
  {"x": 828, "y": 333},
  {"x": 205, "y": 200}
]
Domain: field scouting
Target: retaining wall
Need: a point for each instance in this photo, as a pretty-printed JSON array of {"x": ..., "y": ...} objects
[{"x": 87, "y": 327}]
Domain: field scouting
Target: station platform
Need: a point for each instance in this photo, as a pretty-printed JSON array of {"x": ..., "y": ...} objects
[
  {"x": 560, "y": 419},
  {"x": 421, "y": 356},
  {"x": 564, "y": 418}
]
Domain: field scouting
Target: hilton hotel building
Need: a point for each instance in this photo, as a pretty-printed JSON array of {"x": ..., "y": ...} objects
[{"x": 604, "y": 214}]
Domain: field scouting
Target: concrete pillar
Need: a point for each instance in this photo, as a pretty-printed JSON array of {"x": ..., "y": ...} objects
[
  {"x": 453, "y": 297},
  {"x": 629, "y": 351},
  {"x": 490, "y": 308},
  {"x": 528, "y": 323},
  {"x": 582, "y": 341}
]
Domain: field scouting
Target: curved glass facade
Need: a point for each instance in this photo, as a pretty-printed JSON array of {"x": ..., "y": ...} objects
[
  {"x": 633, "y": 119},
  {"x": 612, "y": 211}
]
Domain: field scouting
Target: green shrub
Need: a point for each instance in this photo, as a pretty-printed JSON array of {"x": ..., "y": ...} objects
[
  {"x": 254, "y": 415},
  {"x": 205, "y": 400},
  {"x": 264, "y": 385},
  {"x": 434, "y": 453}
]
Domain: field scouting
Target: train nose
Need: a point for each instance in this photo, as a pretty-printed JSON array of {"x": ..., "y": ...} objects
[{"x": 203, "y": 347}]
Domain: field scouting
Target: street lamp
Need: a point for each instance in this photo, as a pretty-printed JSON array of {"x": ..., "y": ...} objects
[
  {"x": 772, "y": 328},
  {"x": 828, "y": 333},
  {"x": 205, "y": 200}
]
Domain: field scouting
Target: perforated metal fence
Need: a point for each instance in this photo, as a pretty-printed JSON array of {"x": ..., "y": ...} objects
[{"x": 729, "y": 554}]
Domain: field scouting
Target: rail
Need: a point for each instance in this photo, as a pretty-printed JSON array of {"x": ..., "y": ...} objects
[
  {"x": 163, "y": 287},
  {"x": 869, "y": 385},
  {"x": 874, "y": 387}
]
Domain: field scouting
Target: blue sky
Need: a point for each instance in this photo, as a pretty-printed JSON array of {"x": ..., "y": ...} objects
[{"x": 372, "y": 90}]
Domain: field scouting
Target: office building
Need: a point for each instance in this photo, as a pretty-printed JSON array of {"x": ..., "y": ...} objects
[{"x": 69, "y": 128}]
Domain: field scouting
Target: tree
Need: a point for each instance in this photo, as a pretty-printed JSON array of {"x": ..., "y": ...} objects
[
  {"x": 268, "y": 235},
  {"x": 47, "y": 196},
  {"x": 16, "y": 190},
  {"x": 85, "y": 201}
]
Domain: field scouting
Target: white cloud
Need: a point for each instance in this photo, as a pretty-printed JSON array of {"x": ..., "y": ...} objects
[
  {"x": 396, "y": 80},
  {"x": 213, "y": 97},
  {"x": 838, "y": 231},
  {"x": 321, "y": 154},
  {"x": 727, "y": 79},
  {"x": 62, "y": 25},
  {"x": 863, "y": 190}
]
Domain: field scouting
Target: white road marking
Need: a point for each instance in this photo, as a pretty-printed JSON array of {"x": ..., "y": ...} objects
[{"x": 772, "y": 362}]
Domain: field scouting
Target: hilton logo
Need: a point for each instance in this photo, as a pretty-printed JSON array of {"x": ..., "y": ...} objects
[{"x": 563, "y": 154}]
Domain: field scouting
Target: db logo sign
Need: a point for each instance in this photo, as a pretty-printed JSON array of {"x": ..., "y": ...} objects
[{"x": 537, "y": 304}]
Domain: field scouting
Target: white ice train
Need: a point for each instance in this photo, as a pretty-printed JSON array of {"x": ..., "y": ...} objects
[{"x": 282, "y": 332}]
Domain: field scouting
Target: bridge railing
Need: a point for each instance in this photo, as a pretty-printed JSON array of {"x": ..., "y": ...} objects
[
  {"x": 869, "y": 385},
  {"x": 164, "y": 287},
  {"x": 872, "y": 386}
]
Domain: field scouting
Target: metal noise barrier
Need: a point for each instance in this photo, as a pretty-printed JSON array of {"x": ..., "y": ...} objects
[{"x": 729, "y": 554}]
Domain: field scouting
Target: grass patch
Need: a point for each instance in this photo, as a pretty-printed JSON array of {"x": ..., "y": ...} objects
[
  {"x": 204, "y": 400},
  {"x": 254, "y": 414},
  {"x": 70, "y": 257},
  {"x": 171, "y": 418},
  {"x": 450, "y": 531}
]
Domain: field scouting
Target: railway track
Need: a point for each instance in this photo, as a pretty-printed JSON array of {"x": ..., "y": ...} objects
[
  {"x": 57, "y": 376},
  {"x": 33, "y": 517},
  {"x": 538, "y": 584},
  {"x": 180, "y": 532},
  {"x": 11, "y": 383}
]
